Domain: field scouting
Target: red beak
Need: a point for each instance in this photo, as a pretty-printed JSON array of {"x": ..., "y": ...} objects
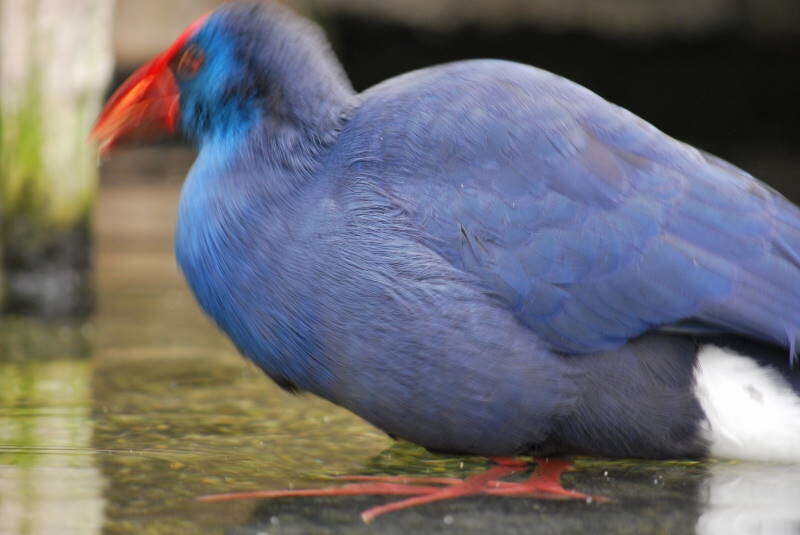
[{"x": 147, "y": 102}]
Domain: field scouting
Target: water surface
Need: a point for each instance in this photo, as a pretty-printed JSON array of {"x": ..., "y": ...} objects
[{"x": 116, "y": 424}]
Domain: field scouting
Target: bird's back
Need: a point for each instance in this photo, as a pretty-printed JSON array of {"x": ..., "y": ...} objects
[{"x": 592, "y": 224}]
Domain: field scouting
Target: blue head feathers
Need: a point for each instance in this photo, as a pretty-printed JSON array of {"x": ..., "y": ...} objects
[{"x": 258, "y": 63}]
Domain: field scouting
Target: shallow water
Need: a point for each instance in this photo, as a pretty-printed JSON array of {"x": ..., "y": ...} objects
[{"x": 115, "y": 425}]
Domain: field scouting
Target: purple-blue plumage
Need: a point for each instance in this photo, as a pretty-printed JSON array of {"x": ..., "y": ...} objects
[{"x": 476, "y": 256}]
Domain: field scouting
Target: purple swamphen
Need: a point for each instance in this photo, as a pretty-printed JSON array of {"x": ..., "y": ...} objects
[{"x": 480, "y": 257}]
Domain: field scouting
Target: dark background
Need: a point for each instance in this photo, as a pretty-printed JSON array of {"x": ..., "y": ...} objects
[{"x": 731, "y": 93}]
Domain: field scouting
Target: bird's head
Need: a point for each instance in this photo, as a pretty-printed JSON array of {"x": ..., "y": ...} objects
[{"x": 243, "y": 63}]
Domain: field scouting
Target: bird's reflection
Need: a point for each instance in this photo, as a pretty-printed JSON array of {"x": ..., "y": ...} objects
[
  {"x": 714, "y": 497},
  {"x": 745, "y": 498}
]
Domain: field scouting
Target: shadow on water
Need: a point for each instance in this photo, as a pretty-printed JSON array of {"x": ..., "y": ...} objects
[{"x": 115, "y": 425}]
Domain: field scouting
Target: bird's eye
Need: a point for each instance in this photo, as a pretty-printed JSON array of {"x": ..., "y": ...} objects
[{"x": 190, "y": 62}]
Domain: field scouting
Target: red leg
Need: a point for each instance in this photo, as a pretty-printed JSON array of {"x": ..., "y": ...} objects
[
  {"x": 543, "y": 483},
  {"x": 345, "y": 490},
  {"x": 404, "y": 479}
]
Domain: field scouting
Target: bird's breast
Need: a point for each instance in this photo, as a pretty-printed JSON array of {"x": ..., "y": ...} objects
[
  {"x": 210, "y": 249},
  {"x": 239, "y": 263}
]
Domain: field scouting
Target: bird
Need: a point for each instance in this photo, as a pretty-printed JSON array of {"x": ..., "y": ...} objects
[{"x": 479, "y": 257}]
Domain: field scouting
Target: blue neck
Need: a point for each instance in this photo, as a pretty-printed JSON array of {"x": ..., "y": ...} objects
[
  {"x": 241, "y": 136},
  {"x": 228, "y": 124}
]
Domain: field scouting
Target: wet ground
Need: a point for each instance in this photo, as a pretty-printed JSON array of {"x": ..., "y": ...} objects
[{"x": 116, "y": 424}]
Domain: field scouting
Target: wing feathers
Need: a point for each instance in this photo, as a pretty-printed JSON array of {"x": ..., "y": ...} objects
[{"x": 593, "y": 224}]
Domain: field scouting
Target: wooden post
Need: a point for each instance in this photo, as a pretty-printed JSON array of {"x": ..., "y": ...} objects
[{"x": 55, "y": 62}]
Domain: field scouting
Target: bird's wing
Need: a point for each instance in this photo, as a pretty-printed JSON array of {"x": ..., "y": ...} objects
[{"x": 593, "y": 225}]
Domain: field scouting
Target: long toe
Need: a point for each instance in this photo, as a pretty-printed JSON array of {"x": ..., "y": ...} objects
[{"x": 543, "y": 483}]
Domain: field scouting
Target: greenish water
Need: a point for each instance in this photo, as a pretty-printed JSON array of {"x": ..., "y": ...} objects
[{"x": 117, "y": 424}]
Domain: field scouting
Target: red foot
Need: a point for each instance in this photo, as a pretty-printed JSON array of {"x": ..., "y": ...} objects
[{"x": 543, "y": 483}]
